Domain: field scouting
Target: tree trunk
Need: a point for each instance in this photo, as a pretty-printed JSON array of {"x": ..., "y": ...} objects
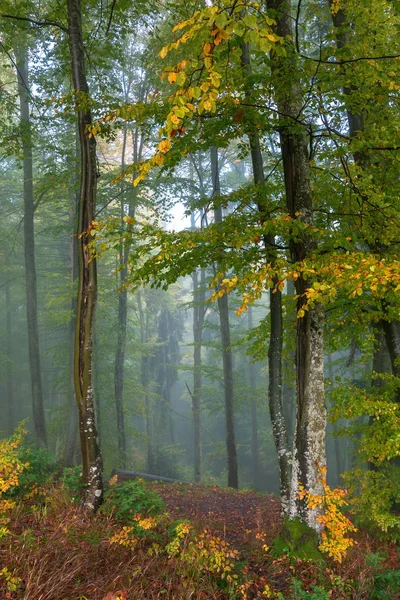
[
  {"x": 255, "y": 456},
  {"x": 121, "y": 340},
  {"x": 198, "y": 324},
  {"x": 288, "y": 389},
  {"x": 21, "y": 54},
  {"x": 233, "y": 480},
  {"x": 10, "y": 358},
  {"x": 309, "y": 449},
  {"x": 87, "y": 276},
  {"x": 72, "y": 431},
  {"x": 278, "y": 421},
  {"x": 392, "y": 336},
  {"x": 145, "y": 379},
  {"x": 336, "y": 442}
]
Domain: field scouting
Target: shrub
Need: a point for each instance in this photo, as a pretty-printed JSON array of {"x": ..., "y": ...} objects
[
  {"x": 130, "y": 498},
  {"x": 11, "y": 468},
  {"x": 336, "y": 527},
  {"x": 40, "y": 474},
  {"x": 373, "y": 494},
  {"x": 386, "y": 585},
  {"x": 71, "y": 479}
]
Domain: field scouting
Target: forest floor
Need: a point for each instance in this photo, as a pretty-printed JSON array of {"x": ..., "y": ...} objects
[
  {"x": 56, "y": 552},
  {"x": 234, "y": 516}
]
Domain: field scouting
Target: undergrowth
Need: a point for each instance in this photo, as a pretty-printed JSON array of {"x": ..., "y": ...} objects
[{"x": 133, "y": 549}]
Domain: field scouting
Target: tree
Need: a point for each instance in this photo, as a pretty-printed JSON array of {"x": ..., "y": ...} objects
[
  {"x": 309, "y": 450},
  {"x": 223, "y": 308},
  {"x": 21, "y": 54},
  {"x": 87, "y": 277}
]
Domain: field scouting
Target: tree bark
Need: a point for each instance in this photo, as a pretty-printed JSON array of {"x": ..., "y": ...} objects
[
  {"x": 10, "y": 358},
  {"x": 233, "y": 479},
  {"x": 391, "y": 330},
  {"x": 309, "y": 448},
  {"x": 69, "y": 452},
  {"x": 255, "y": 456},
  {"x": 278, "y": 421},
  {"x": 121, "y": 340},
  {"x": 21, "y": 55},
  {"x": 198, "y": 324},
  {"x": 87, "y": 275},
  {"x": 145, "y": 379}
]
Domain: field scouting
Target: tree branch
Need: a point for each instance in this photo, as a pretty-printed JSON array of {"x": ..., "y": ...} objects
[
  {"x": 111, "y": 16},
  {"x": 35, "y": 22}
]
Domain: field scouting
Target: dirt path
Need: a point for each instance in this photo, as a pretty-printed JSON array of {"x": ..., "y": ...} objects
[{"x": 236, "y": 516}]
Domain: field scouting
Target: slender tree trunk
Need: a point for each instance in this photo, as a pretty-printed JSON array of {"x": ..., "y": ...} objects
[
  {"x": 336, "y": 441},
  {"x": 255, "y": 452},
  {"x": 21, "y": 54},
  {"x": 10, "y": 357},
  {"x": 121, "y": 340},
  {"x": 72, "y": 430},
  {"x": 289, "y": 391},
  {"x": 233, "y": 480},
  {"x": 198, "y": 324},
  {"x": 278, "y": 421},
  {"x": 87, "y": 276},
  {"x": 309, "y": 449},
  {"x": 391, "y": 330},
  {"x": 145, "y": 379}
]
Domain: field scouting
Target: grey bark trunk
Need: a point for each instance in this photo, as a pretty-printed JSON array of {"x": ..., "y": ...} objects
[
  {"x": 145, "y": 379},
  {"x": 21, "y": 55},
  {"x": 336, "y": 442},
  {"x": 198, "y": 324},
  {"x": 255, "y": 452},
  {"x": 72, "y": 430},
  {"x": 121, "y": 339},
  {"x": 10, "y": 357},
  {"x": 223, "y": 307},
  {"x": 309, "y": 446},
  {"x": 87, "y": 274}
]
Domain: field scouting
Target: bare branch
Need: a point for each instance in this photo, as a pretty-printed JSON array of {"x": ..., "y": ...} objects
[{"x": 35, "y": 22}]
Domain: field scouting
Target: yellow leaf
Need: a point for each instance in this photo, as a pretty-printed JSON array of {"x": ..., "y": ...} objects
[
  {"x": 159, "y": 159},
  {"x": 207, "y": 48},
  {"x": 164, "y": 51},
  {"x": 164, "y": 146},
  {"x": 172, "y": 77}
]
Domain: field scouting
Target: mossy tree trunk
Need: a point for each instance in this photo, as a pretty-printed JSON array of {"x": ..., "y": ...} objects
[
  {"x": 309, "y": 445},
  {"x": 278, "y": 421},
  {"x": 87, "y": 275}
]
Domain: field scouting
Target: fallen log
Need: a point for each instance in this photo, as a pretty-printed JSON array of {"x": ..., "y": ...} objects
[{"x": 124, "y": 475}]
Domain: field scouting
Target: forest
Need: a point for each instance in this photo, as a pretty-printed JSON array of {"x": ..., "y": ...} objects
[{"x": 200, "y": 299}]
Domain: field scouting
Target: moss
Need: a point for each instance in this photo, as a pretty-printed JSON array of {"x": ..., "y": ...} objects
[{"x": 298, "y": 540}]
